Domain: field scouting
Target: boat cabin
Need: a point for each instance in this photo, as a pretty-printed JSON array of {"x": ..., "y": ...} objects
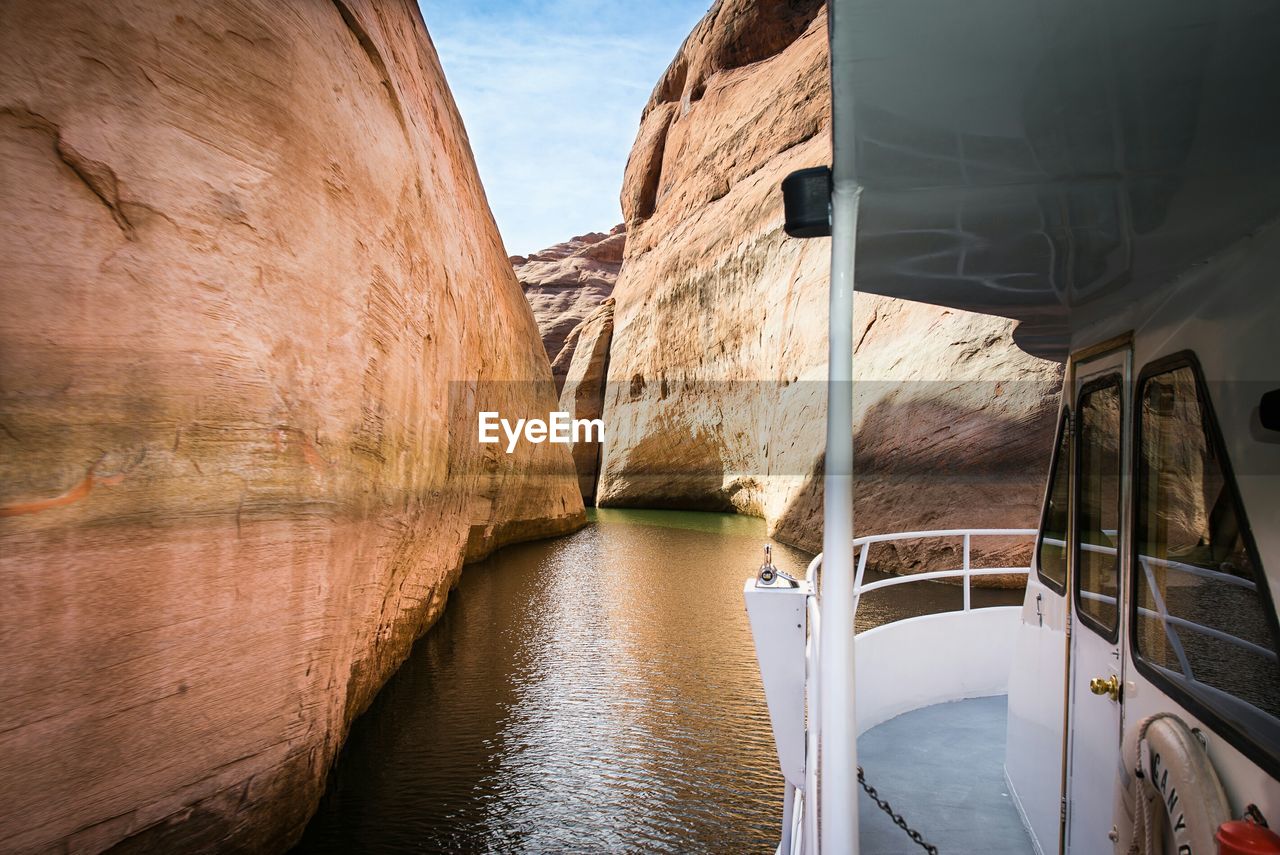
[{"x": 1107, "y": 175}]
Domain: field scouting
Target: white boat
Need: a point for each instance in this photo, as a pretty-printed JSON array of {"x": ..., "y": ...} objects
[{"x": 1107, "y": 174}]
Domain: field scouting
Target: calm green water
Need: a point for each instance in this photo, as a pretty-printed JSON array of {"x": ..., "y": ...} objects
[{"x": 593, "y": 693}]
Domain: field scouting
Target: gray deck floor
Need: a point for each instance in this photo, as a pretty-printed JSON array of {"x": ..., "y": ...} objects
[{"x": 942, "y": 768}]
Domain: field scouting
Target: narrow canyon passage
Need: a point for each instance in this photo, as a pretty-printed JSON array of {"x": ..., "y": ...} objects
[
  {"x": 395, "y": 396},
  {"x": 597, "y": 692}
]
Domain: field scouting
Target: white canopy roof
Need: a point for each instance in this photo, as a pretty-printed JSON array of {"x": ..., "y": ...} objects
[{"x": 1041, "y": 159}]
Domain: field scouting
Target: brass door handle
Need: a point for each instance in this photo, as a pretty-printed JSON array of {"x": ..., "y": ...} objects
[{"x": 1109, "y": 687}]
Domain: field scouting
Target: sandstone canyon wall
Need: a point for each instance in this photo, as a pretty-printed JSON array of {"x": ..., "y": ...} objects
[
  {"x": 252, "y": 299},
  {"x": 715, "y": 382},
  {"x": 567, "y": 282}
]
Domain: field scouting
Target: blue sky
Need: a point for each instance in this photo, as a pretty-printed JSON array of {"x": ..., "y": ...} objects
[{"x": 551, "y": 94}]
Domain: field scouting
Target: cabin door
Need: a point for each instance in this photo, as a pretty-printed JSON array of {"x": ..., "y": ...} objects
[{"x": 1099, "y": 497}]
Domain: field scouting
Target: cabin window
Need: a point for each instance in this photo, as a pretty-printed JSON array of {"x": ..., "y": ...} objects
[
  {"x": 1203, "y": 623},
  {"x": 1051, "y": 553},
  {"x": 1098, "y": 506}
]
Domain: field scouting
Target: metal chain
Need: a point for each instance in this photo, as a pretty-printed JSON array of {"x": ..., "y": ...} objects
[{"x": 896, "y": 817}]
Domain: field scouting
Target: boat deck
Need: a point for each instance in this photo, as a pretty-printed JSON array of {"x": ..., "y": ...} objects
[{"x": 942, "y": 769}]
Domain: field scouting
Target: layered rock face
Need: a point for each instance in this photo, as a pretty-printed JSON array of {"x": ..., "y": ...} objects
[
  {"x": 253, "y": 298},
  {"x": 567, "y": 282},
  {"x": 716, "y": 392}
]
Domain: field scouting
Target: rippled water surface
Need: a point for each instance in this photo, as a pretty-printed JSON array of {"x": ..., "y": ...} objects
[{"x": 593, "y": 693}]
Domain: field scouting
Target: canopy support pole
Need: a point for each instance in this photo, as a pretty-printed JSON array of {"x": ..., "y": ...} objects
[{"x": 837, "y": 732}]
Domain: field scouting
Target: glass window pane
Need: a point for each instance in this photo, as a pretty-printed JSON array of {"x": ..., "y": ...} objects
[
  {"x": 1098, "y": 512},
  {"x": 1051, "y": 559},
  {"x": 1200, "y": 616}
]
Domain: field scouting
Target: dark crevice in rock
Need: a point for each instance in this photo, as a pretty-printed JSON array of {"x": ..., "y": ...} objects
[
  {"x": 733, "y": 34},
  {"x": 759, "y": 30},
  {"x": 651, "y": 178},
  {"x": 671, "y": 86},
  {"x": 96, "y": 175},
  {"x": 636, "y": 389},
  {"x": 875, "y": 316},
  {"x": 697, "y": 91},
  {"x": 99, "y": 178},
  {"x": 379, "y": 65}
]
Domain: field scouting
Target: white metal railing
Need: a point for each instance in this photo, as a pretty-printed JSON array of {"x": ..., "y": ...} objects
[
  {"x": 966, "y": 571},
  {"x": 800, "y": 820}
]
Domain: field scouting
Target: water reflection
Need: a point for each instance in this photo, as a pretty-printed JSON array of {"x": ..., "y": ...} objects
[{"x": 593, "y": 693}]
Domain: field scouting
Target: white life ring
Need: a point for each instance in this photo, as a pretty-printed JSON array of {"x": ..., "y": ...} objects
[{"x": 1172, "y": 775}]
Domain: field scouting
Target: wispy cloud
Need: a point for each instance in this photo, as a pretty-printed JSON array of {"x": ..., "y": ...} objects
[{"x": 551, "y": 95}]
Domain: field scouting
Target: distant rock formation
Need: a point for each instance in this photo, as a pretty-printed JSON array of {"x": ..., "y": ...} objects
[
  {"x": 253, "y": 300},
  {"x": 565, "y": 283},
  {"x": 584, "y": 389},
  {"x": 716, "y": 371}
]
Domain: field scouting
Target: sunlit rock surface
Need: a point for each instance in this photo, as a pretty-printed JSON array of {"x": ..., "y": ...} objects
[
  {"x": 565, "y": 283},
  {"x": 253, "y": 297},
  {"x": 716, "y": 371}
]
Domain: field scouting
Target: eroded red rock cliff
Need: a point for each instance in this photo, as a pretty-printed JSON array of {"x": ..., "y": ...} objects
[
  {"x": 718, "y": 360},
  {"x": 567, "y": 282},
  {"x": 253, "y": 297}
]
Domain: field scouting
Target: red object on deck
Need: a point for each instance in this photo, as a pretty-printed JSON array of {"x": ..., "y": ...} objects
[{"x": 1242, "y": 837}]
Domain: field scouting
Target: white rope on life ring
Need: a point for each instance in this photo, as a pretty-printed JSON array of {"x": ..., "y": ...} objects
[{"x": 1171, "y": 775}]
